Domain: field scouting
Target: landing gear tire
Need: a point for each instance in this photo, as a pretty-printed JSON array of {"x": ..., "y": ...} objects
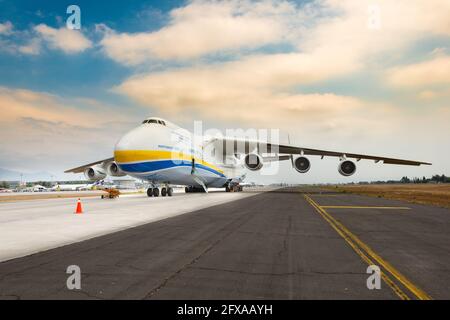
[
  {"x": 163, "y": 192},
  {"x": 149, "y": 192},
  {"x": 170, "y": 192},
  {"x": 186, "y": 190},
  {"x": 155, "y": 192}
]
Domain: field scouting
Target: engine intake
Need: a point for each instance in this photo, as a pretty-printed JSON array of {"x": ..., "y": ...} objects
[
  {"x": 253, "y": 161},
  {"x": 347, "y": 168},
  {"x": 95, "y": 173},
  {"x": 302, "y": 164},
  {"x": 113, "y": 169}
]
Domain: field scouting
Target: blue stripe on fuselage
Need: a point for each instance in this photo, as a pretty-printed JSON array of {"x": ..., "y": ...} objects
[{"x": 149, "y": 166}]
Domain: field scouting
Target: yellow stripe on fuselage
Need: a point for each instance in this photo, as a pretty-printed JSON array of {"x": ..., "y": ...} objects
[{"x": 126, "y": 156}]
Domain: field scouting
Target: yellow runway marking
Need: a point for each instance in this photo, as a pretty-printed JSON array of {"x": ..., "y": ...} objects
[
  {"x": 365, "y": 207},
  {"x": 369, "y": 256}
]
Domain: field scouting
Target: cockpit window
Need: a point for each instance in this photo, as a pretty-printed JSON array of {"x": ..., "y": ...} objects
[{"x": 154, "y": 121}]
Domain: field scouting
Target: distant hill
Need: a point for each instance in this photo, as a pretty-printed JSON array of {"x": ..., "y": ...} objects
[{"x": 10, "y": 175}]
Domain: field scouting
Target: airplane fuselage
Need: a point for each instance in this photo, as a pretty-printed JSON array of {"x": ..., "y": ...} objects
[{"x": 165, "y": 153}]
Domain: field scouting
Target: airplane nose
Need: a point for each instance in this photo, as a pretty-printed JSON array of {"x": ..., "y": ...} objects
[
  {"x": 131, "y": 140},
  {"x": 125, "y": 142},
  {"x": 125, "y": 146},
  {"x": 140, "y": 138}
]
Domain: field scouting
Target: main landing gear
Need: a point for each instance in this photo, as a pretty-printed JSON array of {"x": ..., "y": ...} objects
[{"x": 165, "y": 191}]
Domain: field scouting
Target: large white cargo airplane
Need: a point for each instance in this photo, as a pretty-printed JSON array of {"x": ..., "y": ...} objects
[{"x": 164, "y": 154}]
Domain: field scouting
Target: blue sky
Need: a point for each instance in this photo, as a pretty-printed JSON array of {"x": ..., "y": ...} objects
[
  {"x": 88, "y": 72},
  {"x": 322, "y": 70}
]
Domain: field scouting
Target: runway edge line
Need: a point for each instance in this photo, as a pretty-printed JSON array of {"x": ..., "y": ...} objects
[{"x": 365, "y": 252}]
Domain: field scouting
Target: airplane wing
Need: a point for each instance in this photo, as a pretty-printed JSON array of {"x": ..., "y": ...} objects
[
  {"x": 246, "y": 146},
  {"x": 82, "y": 168}
]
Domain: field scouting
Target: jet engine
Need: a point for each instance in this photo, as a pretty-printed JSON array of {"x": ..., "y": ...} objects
[
  {"x": 347, "y": 168},
  {"x": 113, "y": 169},
  {"x": 95, "y": 173},
  {"x": 302, "y": 164},
  {"x": 253, "y": 161}
]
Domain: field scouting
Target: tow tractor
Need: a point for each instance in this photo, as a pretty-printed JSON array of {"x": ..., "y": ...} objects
[{"x": 112, "y": 193}]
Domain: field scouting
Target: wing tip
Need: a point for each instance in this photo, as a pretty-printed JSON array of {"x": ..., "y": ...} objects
[{"x": 406, "y": 162}]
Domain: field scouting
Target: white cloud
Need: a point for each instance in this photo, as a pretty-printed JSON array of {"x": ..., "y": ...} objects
[
  {"x": 30, "y": 43},
  {"x": 6, "y": 28},
  {"x": 331, "y": 28},
  {"x": 333, "y": 40},
  {"x": 41, "y": 131},
  {"x": 423, "y": 74},
  {"x": 33, "y": 47},
  {"x": 17, "y": 103},
  {"x": 254, "y": 87},
  {"x": 427, "y": 94},
  {"x": 200, "y": 28},
  {"x": 340, "y": 29},
  {"x": 69, "y": 41}
]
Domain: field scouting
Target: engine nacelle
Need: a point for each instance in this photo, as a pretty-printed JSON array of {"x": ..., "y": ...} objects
[
  {"x": 253, "y": 161},
  {"x": 113, "y": 169},
  {"x": 302, "y": 164},
  {"x": 95, "y": 173},
  {"x": 347, "y": 168}
]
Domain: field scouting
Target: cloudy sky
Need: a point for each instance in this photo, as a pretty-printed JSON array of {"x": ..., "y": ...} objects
[{"x": 353, "y": 75}]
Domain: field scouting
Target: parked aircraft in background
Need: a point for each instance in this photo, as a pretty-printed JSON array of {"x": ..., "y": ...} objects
[
  {"x": 67, "y": 187},
  {"x": 38, "y": 188}
]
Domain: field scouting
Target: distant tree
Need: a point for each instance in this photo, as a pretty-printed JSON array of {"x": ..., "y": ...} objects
[
  {"x": 435, "y": 178},
  {"x": 4, "y": 184},
  {"x": 405, "y": 180}
]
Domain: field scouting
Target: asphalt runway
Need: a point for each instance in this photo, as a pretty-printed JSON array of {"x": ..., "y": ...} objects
[
  {"x": 31, "y": 226},
  {"x": 290, "y": 244}
]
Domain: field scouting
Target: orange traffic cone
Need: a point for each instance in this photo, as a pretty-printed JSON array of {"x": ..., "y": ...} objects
[{"x": 79, "y": 208}]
